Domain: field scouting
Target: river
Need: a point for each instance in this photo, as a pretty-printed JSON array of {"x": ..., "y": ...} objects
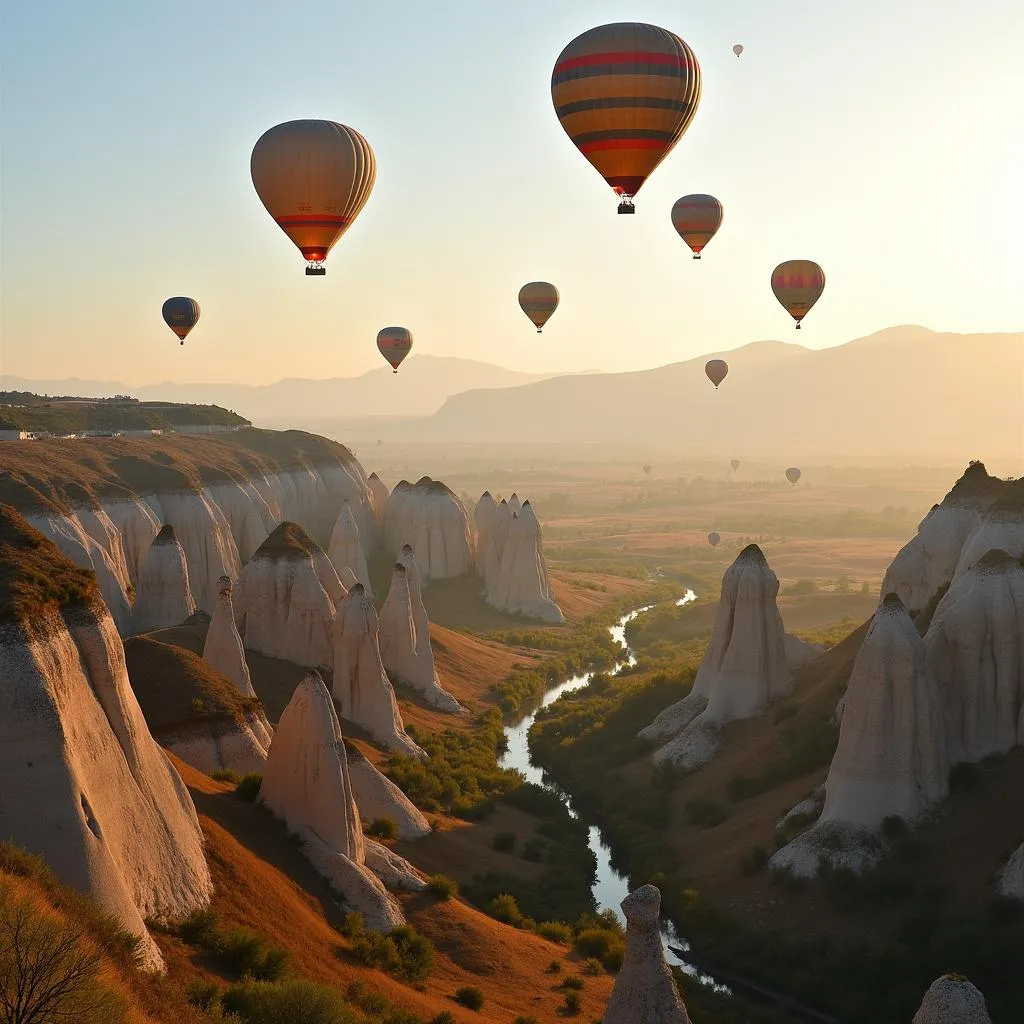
[{"x": 611, "y": 888}]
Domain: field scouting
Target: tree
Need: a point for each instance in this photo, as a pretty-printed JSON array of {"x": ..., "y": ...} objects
[{"x": 48, "y": 973}]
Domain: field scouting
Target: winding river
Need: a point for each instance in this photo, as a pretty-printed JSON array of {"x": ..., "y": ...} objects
[{"x": 611, "y": 888}]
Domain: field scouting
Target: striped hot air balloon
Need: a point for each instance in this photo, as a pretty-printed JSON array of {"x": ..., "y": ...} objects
[
  {"x": 394, "y": 343},
  {"x": 697, "y": 218},
  {"x": 798, "y": 285},
  {"x": 313, "y": 177},
  {"x": 181, "y": 314},
  {"x": 625, "y": 94},
  {"x": 538, "y": 300}
]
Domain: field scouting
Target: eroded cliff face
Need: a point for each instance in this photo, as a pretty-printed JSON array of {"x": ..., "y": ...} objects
[{"x": 430, "y": 518}]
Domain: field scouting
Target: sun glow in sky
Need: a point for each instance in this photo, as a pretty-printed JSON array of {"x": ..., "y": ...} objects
[{"x": 881, "y": 139}]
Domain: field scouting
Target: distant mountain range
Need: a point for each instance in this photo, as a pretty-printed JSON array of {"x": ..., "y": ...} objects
[{"x": 420, "y": 389}]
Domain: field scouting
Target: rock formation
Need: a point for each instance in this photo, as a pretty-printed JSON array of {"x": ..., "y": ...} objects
[
  {"x": 1011, "y": 878},
  {"x": 282, "y": 608},
  {"x": 430, "y": 518},
  {"x": 223, "y": 649},
  {"x": 379, "y": 493},
  {"x": 378, "y": 797},
  {"x": 488, "y": 552},
  {"x": 952, "y": 999},
  {"x": 306, "y": 784},
  {"x": 404, "y": 636},
  {"x": 1000, "y": 528},
  {"x": 514, "y": 504},
  {"x": 891, "y": 758},
  {"x": 745, "y": 666},
  {"x": 346, "y": 548},
  {"x": 522, "y": 586},
  {"x": 163, "y": 596},
  {"x": 645, "y": 991},
  {"x": 361, "y": 687},
  {"x": 194, "y": 711},
  {"x": 118, "y": 822},
  {"x": 975, "y": 647}
]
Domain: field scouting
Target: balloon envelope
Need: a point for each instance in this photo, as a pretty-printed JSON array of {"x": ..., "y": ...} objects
[
  {"x": 625, "y": 94},
  {"x": 697, "y": 218},
  {"x": 313, "y": 177},
  {"x": 647, "y": 470},
  {"x": 735, "y": 464},
  {"x": 738, "y": 49},
  {"x": 716, "y": 369},
  {"x": 394, "y": 343},
  {"x": 713, "y": 539},
  {"x": 792, "y": 474},
  {"x": 798, "y": 285},
  {"x": 181, "y": 314},
  {"x": 538, "y": 300}
]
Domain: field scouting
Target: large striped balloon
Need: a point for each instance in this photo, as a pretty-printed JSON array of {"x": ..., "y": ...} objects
[
  {"x": 798, "y": 285},
  {"x": 697, "y": 218},
  {"x": 394, "y": 343},
  {"x": 313, "y": 177},
  {"x": 624, "y": 94},
  {"x": 538, "y": 300},
  {"x": 181, "y": 314}
]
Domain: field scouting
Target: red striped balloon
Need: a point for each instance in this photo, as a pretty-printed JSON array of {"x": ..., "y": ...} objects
[{"x": 697, "y": 218}]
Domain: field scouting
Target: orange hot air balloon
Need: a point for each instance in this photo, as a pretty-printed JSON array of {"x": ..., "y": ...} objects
[
  {"x": 792, "y": 475},
  {"x": 395, "y": 343},
  {"x": 716, "y": 369},
  {"x": 625, "y": 94},
  {"x": 538, "y": 300},
  {"x": 714, "y": 539},
  {"x": 798, "y": 285},
  {"x": 313, "y": 177},
  {"x": 697, "y": 218},
  {"x": 181, "y": 314}
]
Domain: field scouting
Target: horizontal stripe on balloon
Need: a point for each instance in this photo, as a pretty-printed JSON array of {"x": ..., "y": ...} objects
[
  {"x": 621, "y": 57},
  {"x": 313, "y": 219},
  {"x": 630, "y": 102},
  {"x": 678, "y": 71}
]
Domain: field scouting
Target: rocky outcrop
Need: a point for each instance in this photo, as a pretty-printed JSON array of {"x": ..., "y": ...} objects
[
  {"x": 952, "y": 999},
  {"x": 745, "y": 666},
  {"x": 522, "y": 586},
  {"x": 223, "y": 649},
  {"x": 975, "y": 648},
  {"x": 488, "y": 550},
  {"x": 891, "y": 758},
  {"x": 430, "y": 518},
  {"x": 361, "y": 687},
  {"x": 306, "y": 784},
  {"x": 645, "y": 991},
  {"x": 378, "y": 797},
  {"x": 118, "y": 822},
  {"x": 379, "y": 493},
  {"x": 1000, "y": 528},
  {"x": 404, "y": 636},
  {"x": 163, "y": 596},
  {"x": 281, "y": 606},
  {"x": 346, "y": 550},
  {"x": 1011, "y": 878}
]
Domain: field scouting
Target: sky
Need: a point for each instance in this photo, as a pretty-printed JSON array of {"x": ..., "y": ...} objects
[{"x": 881, "y": 139}]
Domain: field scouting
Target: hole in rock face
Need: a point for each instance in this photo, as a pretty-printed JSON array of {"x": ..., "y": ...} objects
[{"x": 90, "y": 818}]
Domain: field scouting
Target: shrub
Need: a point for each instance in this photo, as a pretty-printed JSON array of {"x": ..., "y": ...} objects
[
  {"x": 555, "y": 931},
  {"x": 753, "y": 860},
  {"x": 572, "y": 1003},
  {"x": 223, "y": 775},
  {"x": 593, "y": 967},
  {"x": 263, "y": 1002},
  {"x": 573, "y": 981},
  {"x": 553, "y": 968},
  {"x": 444, "y": 1017},
  {"x": 504, "y": 842},
  {"x": 504, "y": 908},
  {"x": 383, "y": 828},
  {"x": 248, "y": 954},
  {"x": 403, "y": 953},
  {"x": 612, "y": 960},
  {"x": 534, "y": 849},
  {"x": 595, "y": 942},
  {"x": 469, "y": 996},
  {"x": 443, "y": 887},
  {"x": 249, "y": 788}
]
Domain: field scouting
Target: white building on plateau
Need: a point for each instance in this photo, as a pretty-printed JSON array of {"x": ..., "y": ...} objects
[{"x": 14, "y": 435}]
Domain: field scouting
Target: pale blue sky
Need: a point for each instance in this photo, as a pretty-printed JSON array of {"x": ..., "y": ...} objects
[{"x": 881, "y": 139}]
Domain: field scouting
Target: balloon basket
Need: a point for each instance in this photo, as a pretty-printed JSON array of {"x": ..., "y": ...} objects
[
  {"x": 316, "y": 271},
  {"x": 798, "y": 327},
  {"x": 626, "y": 207},
  {"x": 697, "y": 257}
]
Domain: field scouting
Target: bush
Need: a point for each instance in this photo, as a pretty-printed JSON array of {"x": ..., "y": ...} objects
[
  {"x": 263, "y": 1002},
  {"x": 383, "y": 828},
  {"x": 554, "y": 967},
  {"x": 403, "y": 953},
  {"x": 572, "y": 1003},
  {"x": 534, "y": 849},
  {"x": 249, "y": 955},
  {"x": 555, "y": 931},
  {"x": 444, "y": 1017},
  {"x": 573, "y": 981},
  {"x": 443, "y": 887},
  {"x": 504, "y": 842},
  {"x": 753, "y": 860},
  {"x": 594, "y": 942},
  {"x": 249, "y": 788},
  {"x": 504, "y": 908},
  {"x": 223, "y": 775},
  {"x": 593, "y": 967},
  {"x": 470, "y": 997}
]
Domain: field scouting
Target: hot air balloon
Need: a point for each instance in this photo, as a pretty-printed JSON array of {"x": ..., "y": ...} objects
[
  {"x": 735, "y": 464},
  {"x": 538, "y": 300},
  {"x": 379, "y": 442},
  {"x": 738, "y": 49},
  {"x": 792, "y": 475},
  {"x": 625, "y": 94},
  {"x": 394, "y": 343},
  {"x": 646, "y": 469},
  {"x": 716, "y": 369},
  {"x": 798, "y": 285},
  {"x": 313, "y": 177},
  {"x": 697, "y": 218},
  {"x": 713, "y": 539},
  {"x": 181, "y": 314}
]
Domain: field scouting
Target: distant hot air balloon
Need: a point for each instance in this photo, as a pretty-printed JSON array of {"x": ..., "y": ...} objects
[
  {"x": 792, "y": 475},
  {"x": 625, "y": 94},
  {"x": 395, "y": 344},
  {"x": 713, "y": 539},
  {"x": 798, "y": 285},
  {"x": 735, "y": 464},
  {"x": 313, "y": 177},
  {"x": 716, "y": 369},
  {"x": 181, "y": 314},
  {"x": 738, "y": 49},
  {"x": 697, "y": 218},
  {"x": 379, "y": 442},
  {"x": 538, "y": 300},
  {"x": 646, "y": 469}
]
